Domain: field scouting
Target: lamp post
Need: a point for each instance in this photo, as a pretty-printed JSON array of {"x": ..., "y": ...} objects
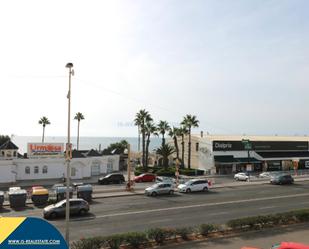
[
  {"x": 128, "y": 187},
  {"x": 68, "y": 157}
]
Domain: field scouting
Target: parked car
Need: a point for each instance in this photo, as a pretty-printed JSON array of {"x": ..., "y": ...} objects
[
  {"x": 160, "y": 189},
  {"x": 282, "y": 179},
  {"x": 289, "y": 245},
  {"x": 194, "y": 185},
  {"x": 242, "y": 176},
  {"x": 112, "y": 178},
  {"x": 77, "y": 206},
  {"x": 165, "y": 179},
  {"x": 265, "y": 175},
  {"x": 283, "y": 245},
  {"x": 146, "y": 177}
]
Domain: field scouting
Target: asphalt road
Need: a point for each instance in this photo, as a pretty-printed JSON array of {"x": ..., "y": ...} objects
[{"x": 139, "y": 213}]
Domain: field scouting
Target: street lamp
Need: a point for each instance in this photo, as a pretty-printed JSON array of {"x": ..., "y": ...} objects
[
  {"x": 127, "y": 150},
  {"x": 68, "y": 156}
]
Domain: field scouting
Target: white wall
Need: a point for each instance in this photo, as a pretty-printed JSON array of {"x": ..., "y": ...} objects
[{"x": 7, "y": 171}]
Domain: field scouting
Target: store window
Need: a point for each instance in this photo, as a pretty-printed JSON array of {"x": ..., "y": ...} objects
[
  {"x": 36, "y": 170},
  {"x": 27, "y": 170},
  {"x": 45, "y": 169}
]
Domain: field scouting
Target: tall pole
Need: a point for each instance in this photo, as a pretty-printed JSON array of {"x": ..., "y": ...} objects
[
  {"x": 129, "y": 169},
  {"x": 68, "y": 159}
]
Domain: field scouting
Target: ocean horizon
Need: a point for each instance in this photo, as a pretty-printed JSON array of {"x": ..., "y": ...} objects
[{"x": 85, "y": 143}]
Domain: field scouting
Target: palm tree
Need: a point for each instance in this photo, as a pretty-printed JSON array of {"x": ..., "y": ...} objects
[
  {"x": 151, "y": 129},
  {"x": 163, "y": 127},
  {"x": 78, "y": 116},
  {"x": 141, "y": 118},
  {"x": 44, "y": 121},
  {"x": 183, "y": 132},
  {"x": 174, "y": 133},
  {"x": 189, "y": 121},
  {"x": 165, "y": 151}
]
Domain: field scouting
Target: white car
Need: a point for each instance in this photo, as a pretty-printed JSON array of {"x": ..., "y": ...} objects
[
  {"x": 242, "y": 176},
  {"x": 265, "y": 175},
  {"x": 194, "y": 185}
]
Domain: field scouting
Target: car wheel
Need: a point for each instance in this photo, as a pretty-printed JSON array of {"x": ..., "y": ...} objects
[
  {"x": 171, "y": 192},
  {"x": 188, "y": 190},
  {"x": 236, "y": 179},
  {"x": 53, "y": 215},
  {"x": 205, "y": 189},
  {"x": 82, "y": 212},
  {"x": 154, "y": 194}
]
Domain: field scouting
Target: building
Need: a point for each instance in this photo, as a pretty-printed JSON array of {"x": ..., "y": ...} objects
[
  {"x": 224, "y": 154},
  {"x": 46, "y": 161}
]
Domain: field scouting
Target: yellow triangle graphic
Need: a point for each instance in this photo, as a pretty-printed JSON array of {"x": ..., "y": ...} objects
[{"x": 8, "y": 226}]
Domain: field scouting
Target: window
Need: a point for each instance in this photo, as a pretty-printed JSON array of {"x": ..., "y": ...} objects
[
  {"x": 45, "y": 169},
  {"x": 36, "y": 170},
  {"x": 196, "y": 146},
  {"x": 27, "y": 170}
]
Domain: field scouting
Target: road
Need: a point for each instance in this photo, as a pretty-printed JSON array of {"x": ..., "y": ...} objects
[{"x": 139, "y": 213}]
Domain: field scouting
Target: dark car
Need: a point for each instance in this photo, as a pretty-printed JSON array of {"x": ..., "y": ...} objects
[
  {"x": 112, "y": 178},
  {"x": 282, "y": 179},
  {"x": 77, "y": 207},
  {"x": 146, "y": 177}
]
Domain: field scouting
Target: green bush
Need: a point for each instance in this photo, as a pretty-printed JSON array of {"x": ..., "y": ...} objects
[
  {"x": 170, "y": 233},
  {"x": 302, "y": 215},
  {"x": 114, "y": 241},
  {"x": 157, "y": 234},
  {"x": 89, "y": 243},
  {"x": 184, "y": 232},
  {"x": 166, "y": 172},
  {"x": 135, "y": 239},
  {"x": 205, "y": 229}
]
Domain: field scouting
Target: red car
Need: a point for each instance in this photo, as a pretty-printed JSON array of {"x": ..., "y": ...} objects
[
  {"x": 284, "y": 245},
  {"x": 146, "y": 177}
]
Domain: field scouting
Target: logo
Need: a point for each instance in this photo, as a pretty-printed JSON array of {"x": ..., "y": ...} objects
[
  {"x": 26, "y": 233},
  {"x": 223, "y": 146}
]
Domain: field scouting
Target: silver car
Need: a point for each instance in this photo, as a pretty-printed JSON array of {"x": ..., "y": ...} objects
[
  {"x": 77, "y": 206},
  {"x": 160, "y": 189}
]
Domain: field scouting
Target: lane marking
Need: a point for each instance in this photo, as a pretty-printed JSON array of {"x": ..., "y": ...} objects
[
  {"x": 269, "y": 207},
  {"x": 192, "y": 206}
]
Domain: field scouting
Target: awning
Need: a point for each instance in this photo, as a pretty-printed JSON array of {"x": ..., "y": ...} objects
[
  {"x": 285, "y": 154},
  {"x": 225, "y": 159},
  {"x": 247, "y": 160}
]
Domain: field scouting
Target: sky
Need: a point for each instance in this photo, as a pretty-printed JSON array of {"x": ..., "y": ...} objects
[{"x": 240, "y": 66}]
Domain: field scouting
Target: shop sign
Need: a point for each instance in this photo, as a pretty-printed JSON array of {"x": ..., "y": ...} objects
[{"x": 45, "y": 149}]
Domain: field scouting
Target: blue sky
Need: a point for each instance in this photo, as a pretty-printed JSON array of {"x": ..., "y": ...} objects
[{"x": 240, "y": 66}]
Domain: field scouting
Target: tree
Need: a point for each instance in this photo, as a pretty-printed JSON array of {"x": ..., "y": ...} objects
[
  {"x": 183, "y": 132},
  {"x": 163, "y": 127},
  {"x": 189, "y": 121},
  {"x": 118, "y": 147},
  {"x": 78, "y": 116},
  {"x": 165, "y": 151},
  {"x": 151, "y": 129},
  {"x": 4, "y": 139},
  {"x": 141, "y": 118},
  {"x": 174, "y": 133},
  {"x": 44, "y": 121}
]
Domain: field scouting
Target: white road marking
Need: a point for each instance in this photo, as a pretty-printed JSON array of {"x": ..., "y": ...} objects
[
  {"x": 193, "y": 206},
  {"x": 269, "y": 207}
]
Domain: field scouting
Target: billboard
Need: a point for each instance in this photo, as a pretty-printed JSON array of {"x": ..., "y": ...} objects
[{"x": 45, "y": 149}]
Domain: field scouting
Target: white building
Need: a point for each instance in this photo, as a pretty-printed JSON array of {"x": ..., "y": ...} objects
[
  {"x": 84, "y": 164},
  {"x": 224, "y": 154}
]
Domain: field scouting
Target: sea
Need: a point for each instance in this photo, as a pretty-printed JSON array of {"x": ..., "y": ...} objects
[{"x": 85, "y": 143}]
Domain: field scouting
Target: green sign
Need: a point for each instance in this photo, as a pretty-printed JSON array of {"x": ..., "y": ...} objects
[{"x": 247, "y": 144}]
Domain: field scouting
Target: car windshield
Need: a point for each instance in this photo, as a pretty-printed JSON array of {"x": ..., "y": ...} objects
[{"x": 59, "y": 204}]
